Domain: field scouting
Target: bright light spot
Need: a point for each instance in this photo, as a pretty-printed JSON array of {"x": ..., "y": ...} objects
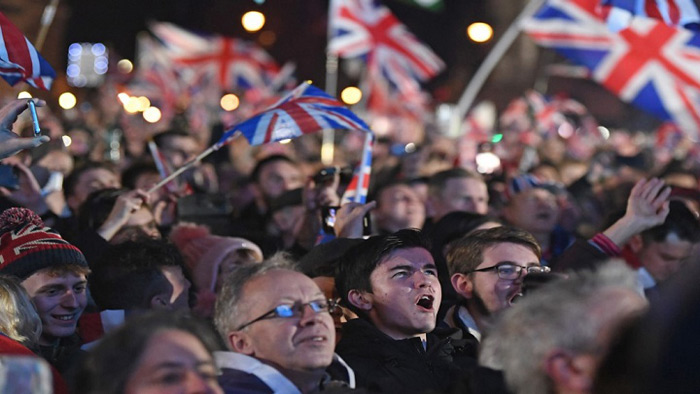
[
  {"x": 479, "y": 32},
  {"x": 125, "y": 66},
  {"x": 566, "y": 130},
  {"x": 24, "y": 95},
  {"x": 144, "y": 103},
  {"x": 98, "y": 49},
  {"x": 497, "y": 138},
  {"x": 123, "y": 98},
  {"x": 381, "y": 126},
  {"x": 410, "y": 147},
  {"x": 132, "y": 105},
  {"x": 286, "y": 141},
  {"x": 67, "y": 100},
  {"x": 351, "y": 95},
  {"x": 487, "y": 162},
  {"x": 253, "y": 21},
  {"x": 152, "y": 115},
  {"x": 604, "y": 132},
  {"x": 73, "y": 70},
  {"x": 75, "y": 49},
  {"x": 229, "y": 102},
  {"x": 66, "y": 140}
]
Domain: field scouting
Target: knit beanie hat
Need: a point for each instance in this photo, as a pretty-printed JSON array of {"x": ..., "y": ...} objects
[
  {"x": 205, "y": 252},
  {"x": 27, "y": 245}
]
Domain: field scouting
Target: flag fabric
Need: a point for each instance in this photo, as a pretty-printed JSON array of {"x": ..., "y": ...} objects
[
  {"x": 359, "y": 184},
  {"x": 306, "y": 109},
  {"x": 366, "y": 28},
  {"x": 619, "y": 13},
  {"x": 649, "y": 64},
  {"x": 236, "y": 64},
  {"x": 20, "y": 61}
]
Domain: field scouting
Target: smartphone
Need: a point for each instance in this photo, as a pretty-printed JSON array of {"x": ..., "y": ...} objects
[
  {"x": 35, "y": 118},
  {"x": 326, "y": 174},
  {"x": 9, "y": 177},
  {"x": 328, "y": 216}
]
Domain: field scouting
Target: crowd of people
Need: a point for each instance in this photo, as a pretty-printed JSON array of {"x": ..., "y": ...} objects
[{"x": 565, "y": 270}]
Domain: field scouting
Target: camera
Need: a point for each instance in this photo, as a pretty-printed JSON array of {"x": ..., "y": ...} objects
[{"x": 328, "y": 216}]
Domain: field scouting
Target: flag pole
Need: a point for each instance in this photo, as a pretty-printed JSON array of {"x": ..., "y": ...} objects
[
  {"x": 328, "y": 142},
  {"x": 495, "y": 55},
  {"x": 46, "y": 20},
  {"x": 190, "y": 164}
]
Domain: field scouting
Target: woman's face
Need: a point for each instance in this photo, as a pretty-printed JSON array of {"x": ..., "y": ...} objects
[{"x": 174, "y": 361}]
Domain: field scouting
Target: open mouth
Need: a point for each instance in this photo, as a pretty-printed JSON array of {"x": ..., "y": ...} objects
[
  {"x": 515, "y": 298},
  {"x": 426, "y": 301}
]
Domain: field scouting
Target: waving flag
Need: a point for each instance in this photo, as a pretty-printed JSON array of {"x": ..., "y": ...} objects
[
  {"x": 236, "y": 64},
  {"x": 673, "y": 12},
  {"x": 359, "y": 184},
  {"x": 367, "y": 28},
  {"x": 20, "y": 61},
  {"x": 307, "y": 109},
  {"x": 649, "y": 64}
]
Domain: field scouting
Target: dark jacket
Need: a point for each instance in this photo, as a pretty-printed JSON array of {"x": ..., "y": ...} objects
[{"x": 385, "y": 365}]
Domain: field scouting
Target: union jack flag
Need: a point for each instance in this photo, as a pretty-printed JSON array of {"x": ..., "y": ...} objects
[
  {"x": 20, "y": 61},
  {"x": 367, "y": 28},
  {"x": 672, "y": 12},
  {"x": 306, "y": 109},
  {"x": 236, "y": 64},
  {"x": 649, "y": 64},
  {"x": 359, "y": 184}
]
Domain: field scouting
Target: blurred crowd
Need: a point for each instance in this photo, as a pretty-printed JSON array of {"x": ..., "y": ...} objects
[{"x": 537, "y": 252}]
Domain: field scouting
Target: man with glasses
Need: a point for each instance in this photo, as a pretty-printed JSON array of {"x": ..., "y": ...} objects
[
  {"x": 278, "y": 327},
  {"x": 390, "y": 282},
  {"x": 487, "y": 269}
]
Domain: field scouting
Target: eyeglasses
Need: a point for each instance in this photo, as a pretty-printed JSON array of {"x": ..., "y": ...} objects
[
  {"x": 294, "y": 310},
  {"x": 511, "y": 271}
]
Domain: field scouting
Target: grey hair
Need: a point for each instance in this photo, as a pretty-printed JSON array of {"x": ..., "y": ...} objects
[
  {"x": 565, "y": 314},
  {"x": 227, "y": 310}
]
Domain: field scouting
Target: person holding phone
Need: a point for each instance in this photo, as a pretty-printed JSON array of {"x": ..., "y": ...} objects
[{"x": 11, "y": 143}]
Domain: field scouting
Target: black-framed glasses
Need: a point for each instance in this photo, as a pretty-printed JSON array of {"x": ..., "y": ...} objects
[
  {"x": 512, "y": 271},
  {"x": 294, "y": 310}
]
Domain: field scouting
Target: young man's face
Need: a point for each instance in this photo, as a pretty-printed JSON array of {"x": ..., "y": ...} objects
[
  {"x": 399, "y": 207},
  {"x": 59, "y": 300},
  {"x": 663, "y": 259},
  {"x": 277, "y": 177},
  {"x": 462, "y": 194},
  {"x": 91, "y": 181},
  {"x": 405, "y": 295},
  {"x": 485, "y": 289},
  {"x": 534, "y": 210}
]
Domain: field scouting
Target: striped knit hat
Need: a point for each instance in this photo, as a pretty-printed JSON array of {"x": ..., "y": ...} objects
[{"x": 27, "y": 245}]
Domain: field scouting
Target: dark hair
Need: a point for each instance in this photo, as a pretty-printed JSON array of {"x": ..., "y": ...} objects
[
  {"x": 467, "y": 253},
  {"x": 680, "y": 221},
  {"x": 95, "y": 210},
  {"x": 133, "y": 172},
  {"x": 129, "y": 274},
  {"x": 160, "y": 138},
  {"x": 107, "y": 367},
  {"x": 438, "y": 181},
  {"x": 72, "y": 178},
  {"x": 254, "y": 176},
  {"x": 358, "y": 263}
]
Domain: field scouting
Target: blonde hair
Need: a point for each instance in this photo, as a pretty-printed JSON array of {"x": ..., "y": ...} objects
[{"x": 18, "y": 317}]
